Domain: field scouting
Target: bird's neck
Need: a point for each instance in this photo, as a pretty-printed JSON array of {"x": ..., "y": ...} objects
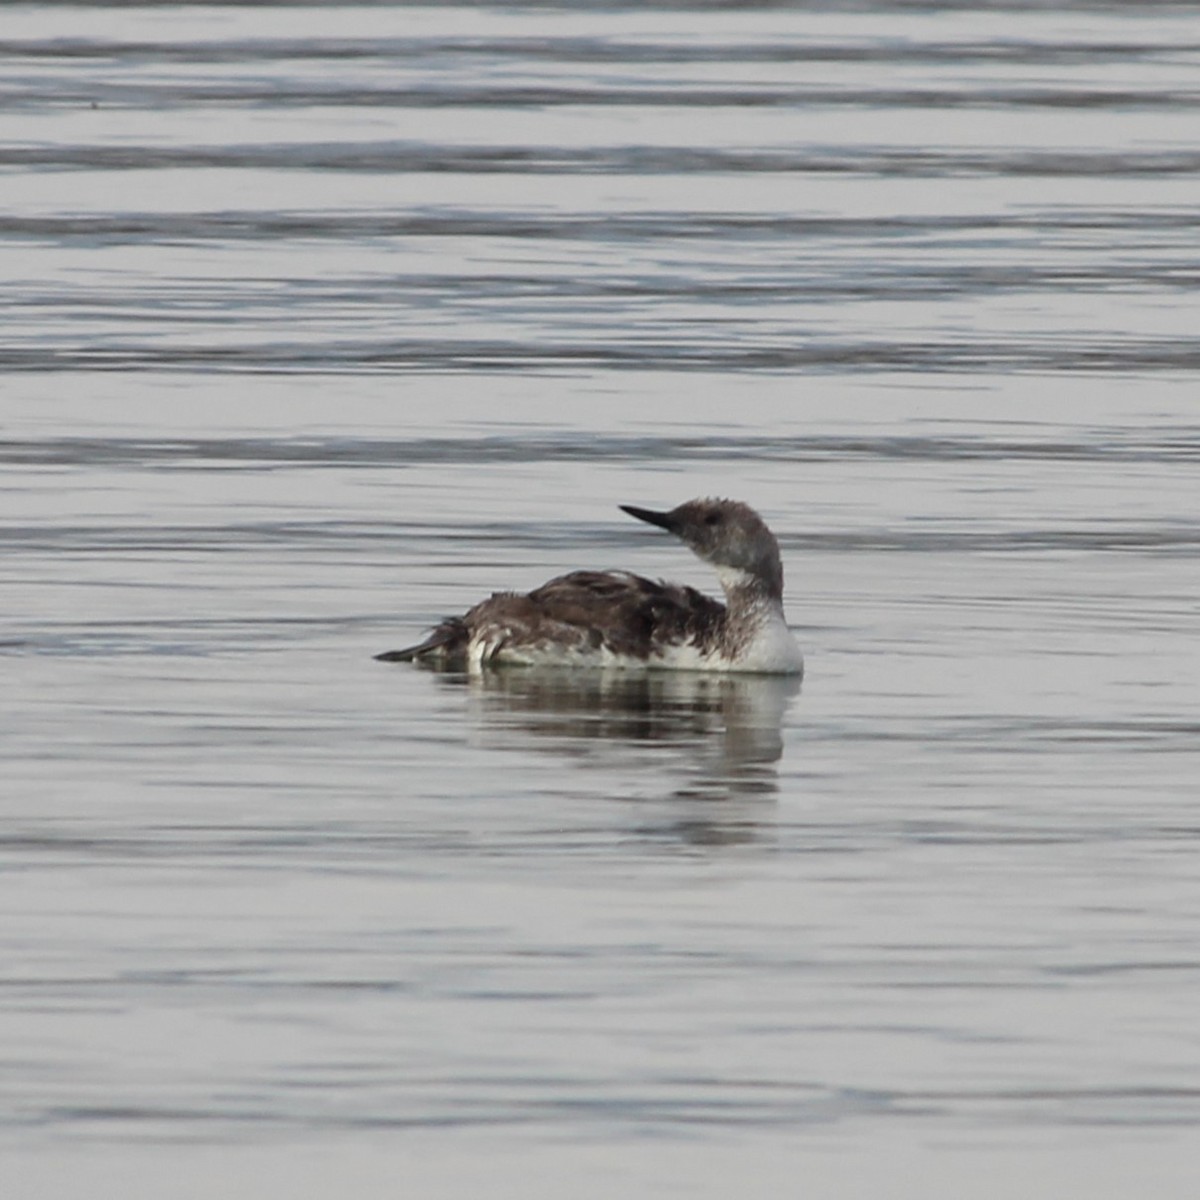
[{"x": 749, "y": 598}]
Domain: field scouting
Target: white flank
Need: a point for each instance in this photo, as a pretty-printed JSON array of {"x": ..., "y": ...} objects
[{"x": 771, "y": 651}]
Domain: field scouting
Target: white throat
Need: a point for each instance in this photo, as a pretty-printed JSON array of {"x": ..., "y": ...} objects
[{"x": 734, "y": 579}]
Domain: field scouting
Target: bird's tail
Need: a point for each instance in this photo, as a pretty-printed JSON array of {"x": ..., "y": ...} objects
[{"x": 445, "y": 644}]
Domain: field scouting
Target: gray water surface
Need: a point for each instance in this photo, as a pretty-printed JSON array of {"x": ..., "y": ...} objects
[{"x": 321, "y": 323}]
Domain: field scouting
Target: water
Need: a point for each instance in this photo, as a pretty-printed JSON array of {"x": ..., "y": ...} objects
[{"x": 320, "y": 323}]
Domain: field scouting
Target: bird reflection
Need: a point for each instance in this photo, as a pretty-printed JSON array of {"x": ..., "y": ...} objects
[{"x": 722, "y": 733}]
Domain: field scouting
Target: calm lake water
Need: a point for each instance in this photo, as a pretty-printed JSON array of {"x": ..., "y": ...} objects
[{"x": 321, "y": 323}]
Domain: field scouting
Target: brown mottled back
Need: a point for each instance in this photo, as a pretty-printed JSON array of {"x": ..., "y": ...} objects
[{"x": 584, "y": 611}]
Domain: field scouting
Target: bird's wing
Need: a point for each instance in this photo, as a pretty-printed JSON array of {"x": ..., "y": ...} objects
[{"x": 613, "y": 611}]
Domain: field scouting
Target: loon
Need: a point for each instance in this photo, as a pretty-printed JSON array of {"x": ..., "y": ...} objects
[{"x": 617, "y": 619}]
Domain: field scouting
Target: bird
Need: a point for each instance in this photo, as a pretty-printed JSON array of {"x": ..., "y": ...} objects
[{"x": 616, "y": 619}]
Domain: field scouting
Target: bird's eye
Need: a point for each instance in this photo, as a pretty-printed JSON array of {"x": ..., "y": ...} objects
[{"x": 713, "y": 519}]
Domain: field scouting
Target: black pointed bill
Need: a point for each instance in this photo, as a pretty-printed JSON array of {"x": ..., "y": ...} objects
[{"x": 662, "y": 520}]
